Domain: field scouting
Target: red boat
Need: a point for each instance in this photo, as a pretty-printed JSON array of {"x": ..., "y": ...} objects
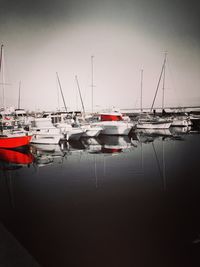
[{"x": 14, "y": 140}]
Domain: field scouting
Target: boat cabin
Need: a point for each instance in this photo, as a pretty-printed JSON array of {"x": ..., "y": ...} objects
[{"x": 114, "y": 116}]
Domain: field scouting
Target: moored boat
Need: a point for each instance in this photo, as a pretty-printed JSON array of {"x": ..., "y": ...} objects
[
  {"x": 14, "y": 140},
  {"x": 113, "y": 124},
  {"x": 44, "y": 132},
  {"x": 150, "y": 122}
]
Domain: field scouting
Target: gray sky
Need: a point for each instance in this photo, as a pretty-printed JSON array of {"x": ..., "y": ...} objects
[{"x": 44, "y": 37}]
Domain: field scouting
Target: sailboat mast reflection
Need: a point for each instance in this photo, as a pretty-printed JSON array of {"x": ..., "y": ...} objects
[{"x": 161, "y": 169}]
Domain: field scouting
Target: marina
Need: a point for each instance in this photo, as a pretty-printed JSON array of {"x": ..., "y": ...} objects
[
  {"x": 99, "y": 133},
  {"x": 102, "y": 188}
]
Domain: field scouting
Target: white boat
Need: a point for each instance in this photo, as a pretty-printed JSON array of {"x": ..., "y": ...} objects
[
  {"x": 153, "y": 123},
  {"x": 113, "y": 124},
  {"x": 150, "y": 121},
  {"x": 44, "y": 132},
  {"x": 66, "y": 125}
]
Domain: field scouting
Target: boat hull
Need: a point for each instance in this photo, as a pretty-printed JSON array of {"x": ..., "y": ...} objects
[
  {"x": 45, "y": 139},
  {"x": 76, "y": 134},
  {"x": 15, "y": 141},
  {"x": 155, "y": 125}
]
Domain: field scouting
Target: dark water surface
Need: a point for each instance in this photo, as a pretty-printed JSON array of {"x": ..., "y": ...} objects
[{"x": 107, "y": 202}]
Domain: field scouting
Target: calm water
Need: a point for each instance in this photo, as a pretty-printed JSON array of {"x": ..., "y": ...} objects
[{"x": 109, "y": 202}]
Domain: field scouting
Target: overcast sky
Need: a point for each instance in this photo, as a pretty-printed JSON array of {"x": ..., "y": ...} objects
[{"x": 44, "y": 37}]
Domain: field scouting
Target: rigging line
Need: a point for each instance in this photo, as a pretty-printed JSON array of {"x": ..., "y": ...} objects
[
  {"x": 163, "y": 67},
  {"x": 58, "y": 99},
  {"x": 61, "y": 92},
  {"x": 80, "y": 95}
]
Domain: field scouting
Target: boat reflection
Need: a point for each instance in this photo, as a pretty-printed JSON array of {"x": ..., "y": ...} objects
[
  {"x": 149, "y": 135},
  {"x": 46, "y": 154},
  {"x": 107, "y": 144},
  {"x": 15, "y": 159},
  {"x": 115, "y": 144},
  {"x": 104, "y": 144},
  {"x": 92, "y": 145},
  {"x": 180, "y": 130}
]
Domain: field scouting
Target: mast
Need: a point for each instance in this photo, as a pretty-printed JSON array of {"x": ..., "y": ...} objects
[
  {"x": 61, "y": 92},
  {"x": 58, "y": 99},
  {"x": 141, "y": 87},
  {"x": 19, "y": 97},
  {"x": 80, "y": 95},
  {"x": 2, "y": 72},
  {"x": 92, "y": 77},
  {"x": 1, "y": 55},
  {"x": 162, "y": 70},
  {"x": 163, "y": 87}
]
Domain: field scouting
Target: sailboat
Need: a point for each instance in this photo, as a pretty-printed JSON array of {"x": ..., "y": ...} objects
[
  {"x": 180, "y": 119},
  {"x": 10, "y": 138},
  {"x": 90, "y": 129},
  {"x": 147, "y": 121},
  {"x": 69, "y": 131}
]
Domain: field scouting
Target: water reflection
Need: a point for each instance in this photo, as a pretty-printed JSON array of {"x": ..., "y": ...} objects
[
  {"x": 180, "y": 130},
  {"x": 131, "y": 200},
  {"x": 11, "y": 161},
  {"x": 46, "y": 154},
  {"x": 14, "y": 159}
]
